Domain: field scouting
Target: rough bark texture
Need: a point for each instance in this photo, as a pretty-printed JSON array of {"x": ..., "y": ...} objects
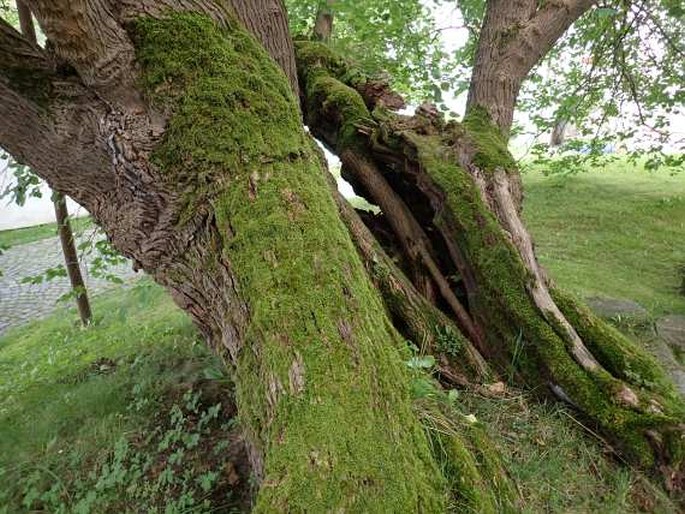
[
  {"x": 174, "y": 127},
  {"x": 515, "y": 35},
  {"x": 211, "y": 185},
  {"x": 412, "y": 314},
  {"x": 462, "y": 172}
]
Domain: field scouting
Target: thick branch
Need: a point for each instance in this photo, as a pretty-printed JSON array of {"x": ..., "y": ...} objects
[
  {"x": 47, "y": 114},
  {"x": 24, "y": 67},
  {"x": 513, "y": 39},
  {"x": 549, "y": 24},
  {"x": 265, "y": 19},
  {"x": 86, "y": 34}
]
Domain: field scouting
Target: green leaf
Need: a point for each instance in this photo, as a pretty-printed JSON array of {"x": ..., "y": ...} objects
[{"x": 425, "y": 362}]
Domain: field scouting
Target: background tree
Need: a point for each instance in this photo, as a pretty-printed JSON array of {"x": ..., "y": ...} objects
[{"x": 176, "y": 125}]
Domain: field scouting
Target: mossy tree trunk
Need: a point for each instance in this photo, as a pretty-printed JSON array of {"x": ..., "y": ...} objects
[
  {"x": 462, "y": 189},
  {"x": 174, "y": 127},
  {"x": 171, "y": 123}
]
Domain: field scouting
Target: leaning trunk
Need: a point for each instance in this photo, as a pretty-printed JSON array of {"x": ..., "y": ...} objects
[
  {"x": 184, "y": 139},
  {"x": 271, "y": 277},
  {"x": 71, "y": 260},
  {"x": 464, "y": 191}
]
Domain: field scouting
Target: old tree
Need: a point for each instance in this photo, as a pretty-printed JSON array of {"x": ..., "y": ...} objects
[{"x": 179, "y": 125}]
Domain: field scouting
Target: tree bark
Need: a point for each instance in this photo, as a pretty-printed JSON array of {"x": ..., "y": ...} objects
[
  {"x": 184, "y": 139},
  {"x": 212, "y": 186},
  {"x": 514, "y": 36}
]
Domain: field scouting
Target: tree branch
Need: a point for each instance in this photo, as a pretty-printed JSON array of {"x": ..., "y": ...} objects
[
  {"x": 548, "y": 25},
  {"x": 36, "y": 126},
  {"x": 87, "y": 35},
  {"x": 24, "y": 67},
  {"x": 514, "y": 37}
]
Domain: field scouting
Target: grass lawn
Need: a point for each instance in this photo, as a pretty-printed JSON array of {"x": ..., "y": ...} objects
[
  {"x": 619, "y": 232},
  {"x": 19, "y": 236},
  {"x": 128, "y": 415}
]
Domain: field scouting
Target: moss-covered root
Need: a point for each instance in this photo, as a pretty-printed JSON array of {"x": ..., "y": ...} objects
[
  {"x": 477, "y": 478},
  {"x": 322, "y": 386},
  {"x": 629, "y": 361},
  {"x": 643, "y": 416}
]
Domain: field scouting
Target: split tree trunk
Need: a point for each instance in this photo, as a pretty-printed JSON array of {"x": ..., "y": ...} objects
[
  {"x": 464, "y": 191},
  {"x": 206, "y": 178}
]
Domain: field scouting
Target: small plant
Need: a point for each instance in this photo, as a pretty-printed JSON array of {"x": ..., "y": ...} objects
[
  {"x": 518, "y": 349},
  {"x": 448, "y": 342},
  {"x": 178, "y": 466}
]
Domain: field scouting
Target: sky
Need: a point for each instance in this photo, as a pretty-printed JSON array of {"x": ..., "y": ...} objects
[{"x": 34, "y": 211}]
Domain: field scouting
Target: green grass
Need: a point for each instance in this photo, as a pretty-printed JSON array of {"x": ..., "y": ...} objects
[
  {"x": 20, "y": 236},
  {"x": 72, "y": 398},
  {"x": 557, "y": 465},
  {"x": 618, "y": 232}
]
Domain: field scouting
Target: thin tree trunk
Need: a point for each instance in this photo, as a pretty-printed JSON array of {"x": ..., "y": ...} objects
[
  {"x": 71, "y": 260},
  {"x": 323, "y": 24},
  {"x": 66, "y": 235}
]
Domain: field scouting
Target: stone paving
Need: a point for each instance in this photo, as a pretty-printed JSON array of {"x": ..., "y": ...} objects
[{"x": 20, "y": 303}]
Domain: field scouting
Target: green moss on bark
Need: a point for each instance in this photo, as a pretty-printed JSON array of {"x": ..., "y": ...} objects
[
  {"x": 468, "y": 459},
  {"x": 618, "y": 354},
  {"x": 492, "y": 151},
  {"x": 534, "y": 346},
  {"x": 321, "y": 384},
  {"x": 529, "y": 342}
]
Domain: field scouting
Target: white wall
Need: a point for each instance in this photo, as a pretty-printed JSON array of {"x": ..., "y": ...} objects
[{"x": 35, "y": 211}]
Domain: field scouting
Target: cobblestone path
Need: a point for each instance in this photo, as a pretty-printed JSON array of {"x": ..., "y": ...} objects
[{"x": 20, "y": 303}]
